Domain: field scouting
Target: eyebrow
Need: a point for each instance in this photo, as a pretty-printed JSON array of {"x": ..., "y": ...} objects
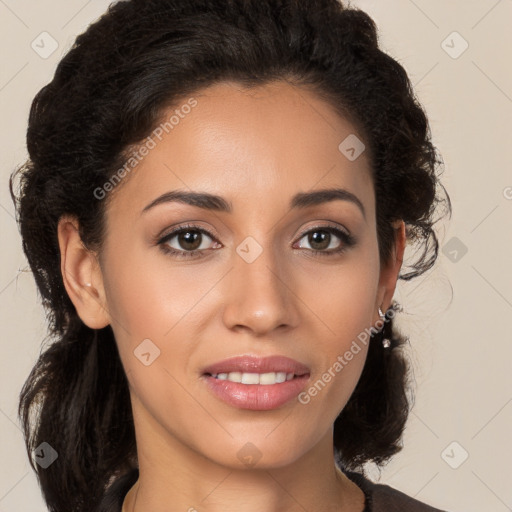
[{"x": 217, "y": 203}]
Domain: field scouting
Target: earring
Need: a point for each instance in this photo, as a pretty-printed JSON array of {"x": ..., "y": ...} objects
[{"x": 386, "y": 343}]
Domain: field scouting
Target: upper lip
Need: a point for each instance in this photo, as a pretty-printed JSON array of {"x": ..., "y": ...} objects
[{"x": 252, "y": 364}]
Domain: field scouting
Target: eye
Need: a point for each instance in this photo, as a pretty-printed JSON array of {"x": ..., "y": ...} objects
[
  {"x": 327, "y": 240},
  {"x": 192, "y": 241},
  {"x": 187, "y": 241}
]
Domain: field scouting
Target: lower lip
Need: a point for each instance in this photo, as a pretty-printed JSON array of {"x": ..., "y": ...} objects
[{"x": 256, "y": 397}]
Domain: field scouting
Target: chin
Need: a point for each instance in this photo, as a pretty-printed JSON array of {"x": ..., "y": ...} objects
[{"x": 260, "y": 453}]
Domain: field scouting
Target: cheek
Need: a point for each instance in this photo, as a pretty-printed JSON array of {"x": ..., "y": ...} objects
[
  {"x": 148, "y": 295},
  {"x": 157, "y": 306},
  {"x": 342, "y": 296},
  {"x": 343, "y": 303},
  {"x": 152, "y": 309}
]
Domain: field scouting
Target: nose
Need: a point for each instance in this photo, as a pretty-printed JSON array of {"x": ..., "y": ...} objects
[{"x": 259, "y": 296}]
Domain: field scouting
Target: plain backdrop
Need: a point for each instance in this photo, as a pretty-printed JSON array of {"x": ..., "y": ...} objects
[{"x": 457, "y": 446}]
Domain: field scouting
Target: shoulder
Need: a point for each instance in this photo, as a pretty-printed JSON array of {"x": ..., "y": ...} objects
[
  {"x": 113, "y": 498},
  {"x": 383, "y": 498}
]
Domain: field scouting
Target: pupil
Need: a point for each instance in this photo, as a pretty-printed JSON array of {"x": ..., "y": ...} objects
[
  {"x": 324, "y": 236},
  {"x": 190, "y": 240}
]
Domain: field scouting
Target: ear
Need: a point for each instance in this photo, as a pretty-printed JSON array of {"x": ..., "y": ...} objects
[
  {"x": 81, "y": 274},
  {"x": 390, "y": 270}
]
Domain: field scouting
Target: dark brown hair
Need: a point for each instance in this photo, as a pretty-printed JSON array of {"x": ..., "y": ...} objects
[{"x": 108, "y": 93}]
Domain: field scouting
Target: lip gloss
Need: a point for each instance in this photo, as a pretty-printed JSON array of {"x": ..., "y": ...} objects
[{"x": 256, "y": 397}]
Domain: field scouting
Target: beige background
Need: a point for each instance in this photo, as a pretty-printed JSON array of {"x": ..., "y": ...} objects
[{"x": 457, "y": 316}]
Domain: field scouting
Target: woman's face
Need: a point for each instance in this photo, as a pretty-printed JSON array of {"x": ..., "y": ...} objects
[{"x": 242, "y": 278}]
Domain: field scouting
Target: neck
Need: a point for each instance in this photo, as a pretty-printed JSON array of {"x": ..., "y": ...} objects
[
  {"x": 174, "y": 476},
  {"x": 304, "y": 485}
]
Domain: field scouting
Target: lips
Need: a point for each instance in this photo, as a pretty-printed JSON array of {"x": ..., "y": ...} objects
[
  {"x": 256, "y": 383},
  {"x": 251, "y": 364}
]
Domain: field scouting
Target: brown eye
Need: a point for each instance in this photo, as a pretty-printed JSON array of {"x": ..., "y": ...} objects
[
  {"x": 323, "y": 239},
  {"x": 319, "y": 240},
  {"x": 187, "y": 241},
  {"x": 327, "y": 241}
]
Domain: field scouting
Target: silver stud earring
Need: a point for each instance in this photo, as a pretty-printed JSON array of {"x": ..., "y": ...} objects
[{"x": 386, "y": 343}]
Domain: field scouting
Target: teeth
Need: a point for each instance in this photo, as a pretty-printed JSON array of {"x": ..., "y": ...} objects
[
  {"x": 249, "y": 378},
  {"x": 235, "y": 377},
  {"x": 255, "y": 378}
]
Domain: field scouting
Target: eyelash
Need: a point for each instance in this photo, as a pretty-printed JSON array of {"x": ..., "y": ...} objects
[{"x": 347, "y": 239}]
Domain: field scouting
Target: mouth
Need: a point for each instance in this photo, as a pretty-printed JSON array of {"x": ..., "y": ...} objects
[
  {"x": 264, "y": 379},
  {"x": 248, "y": 382},
  {"x": 247, "y": 368}
]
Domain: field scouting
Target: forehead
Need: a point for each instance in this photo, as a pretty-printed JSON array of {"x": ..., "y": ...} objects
[{"x": 249, "y": 145}]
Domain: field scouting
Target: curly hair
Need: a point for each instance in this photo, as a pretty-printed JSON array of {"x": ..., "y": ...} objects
[{"x": 108, "y": 93}]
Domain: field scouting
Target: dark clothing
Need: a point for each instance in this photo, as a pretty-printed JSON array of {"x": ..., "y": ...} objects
[
  {"x": 383, "y": 498},
  {"x": 379, "y": 497}
]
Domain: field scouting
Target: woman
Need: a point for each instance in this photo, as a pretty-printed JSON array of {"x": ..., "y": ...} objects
[{"x": 216, "y": 208}]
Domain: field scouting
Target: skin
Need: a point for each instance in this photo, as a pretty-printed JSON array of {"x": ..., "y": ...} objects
[{"x": 256, "y": 148}]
